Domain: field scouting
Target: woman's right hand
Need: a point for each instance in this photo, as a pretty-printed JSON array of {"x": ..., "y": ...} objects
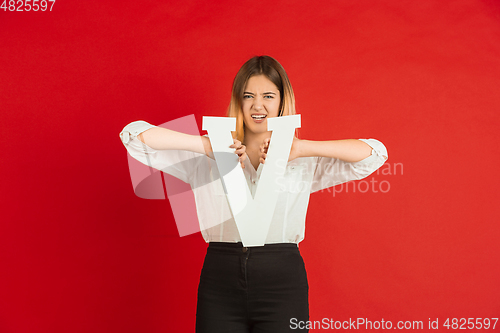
[{"x": 240, "y": 151}]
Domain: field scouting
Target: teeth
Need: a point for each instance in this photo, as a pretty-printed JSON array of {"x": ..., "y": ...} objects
[{"x": 255, "y": 116}]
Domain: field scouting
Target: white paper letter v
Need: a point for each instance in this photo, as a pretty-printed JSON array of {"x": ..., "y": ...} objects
[{"x": 252, "y": 215}]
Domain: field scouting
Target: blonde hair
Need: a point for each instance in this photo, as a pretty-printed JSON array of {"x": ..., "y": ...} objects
[{"x": 272, "y": 69}]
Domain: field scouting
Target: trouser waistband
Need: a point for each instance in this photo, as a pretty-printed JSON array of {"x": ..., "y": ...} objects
[{"x": 238, "y": 247}]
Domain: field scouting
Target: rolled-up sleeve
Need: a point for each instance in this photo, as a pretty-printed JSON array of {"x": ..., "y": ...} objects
[
  {"x": 331, "y": 171},
  {"x": 178, "y": 163}
]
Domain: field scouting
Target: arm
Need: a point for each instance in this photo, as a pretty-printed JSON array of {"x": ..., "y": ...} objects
[
  {"x": 347, "y": 166},
  {"x": 349, "y": 150},
  {"x": 161, "y": 140},
  {"x": 338, "y": 161},
  {"x": 164, "y": 139}
]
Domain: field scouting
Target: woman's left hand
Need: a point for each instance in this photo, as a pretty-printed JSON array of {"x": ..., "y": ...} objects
[
  {"x": 294, "y": 151},
  {"x": 263, "y": 150}
]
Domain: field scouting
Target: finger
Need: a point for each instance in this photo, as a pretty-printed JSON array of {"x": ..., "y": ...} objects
[
  {"x": 242, "y": 158},
  {"x": 265, "y": 142},
  {"x": 236, "y": 144}
]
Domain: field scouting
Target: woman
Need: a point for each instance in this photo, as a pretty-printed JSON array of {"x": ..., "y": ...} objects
[{"x": 254, "y": 289}]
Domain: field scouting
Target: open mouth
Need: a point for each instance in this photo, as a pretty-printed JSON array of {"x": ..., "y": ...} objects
[{"x": 259, "y": 116}]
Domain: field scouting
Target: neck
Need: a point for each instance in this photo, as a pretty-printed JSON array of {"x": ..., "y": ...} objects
[{"x": 254, "y": 140}]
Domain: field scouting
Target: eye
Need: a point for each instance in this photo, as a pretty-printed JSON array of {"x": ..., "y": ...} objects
[
  {"x": 247, "y": 96},
  {"x": 269, "y": 96}
]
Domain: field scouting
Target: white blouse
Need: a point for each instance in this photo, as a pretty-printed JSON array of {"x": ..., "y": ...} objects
[{"x": 302, "y": 177}]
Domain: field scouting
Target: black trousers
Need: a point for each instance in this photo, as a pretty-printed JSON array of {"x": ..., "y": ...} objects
[{"x": 252, "y": 290}]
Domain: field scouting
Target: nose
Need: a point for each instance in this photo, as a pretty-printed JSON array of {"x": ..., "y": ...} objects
[{"x": 257, "y": 104}]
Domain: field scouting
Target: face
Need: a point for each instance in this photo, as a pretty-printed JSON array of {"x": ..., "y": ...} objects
[{"x": 261, "y": 99}]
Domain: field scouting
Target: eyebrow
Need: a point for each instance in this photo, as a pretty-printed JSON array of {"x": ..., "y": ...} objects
[{"x": 266, "y": 93}]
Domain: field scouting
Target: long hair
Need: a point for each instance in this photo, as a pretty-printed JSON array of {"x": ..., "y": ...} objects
[{"x": 272, "y": 69}]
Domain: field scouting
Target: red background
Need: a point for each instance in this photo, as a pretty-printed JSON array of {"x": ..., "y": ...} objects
[{"x": 79, "y": 252}]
